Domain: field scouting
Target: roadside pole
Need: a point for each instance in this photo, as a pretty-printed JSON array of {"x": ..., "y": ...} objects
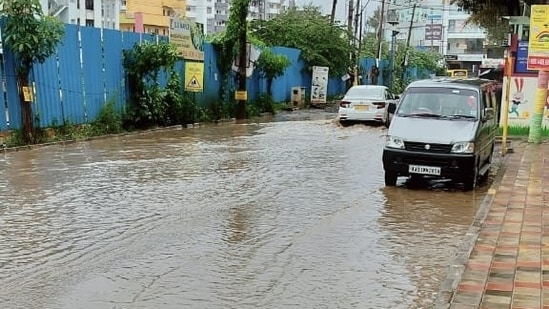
[
  {"x": 505, "y": 103},
  {"x": 241, "y": 95}
]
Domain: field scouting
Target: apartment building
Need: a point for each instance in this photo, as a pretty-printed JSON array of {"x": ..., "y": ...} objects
[
  {"x": 200, "y": 11},
  {"x": 438, "y": 25},
  {"x": 214, "y": 14},
  {"x": 89, "y": 13},
  {"x": 149, "y": 16},
  {"x": 464, "y": 43}
]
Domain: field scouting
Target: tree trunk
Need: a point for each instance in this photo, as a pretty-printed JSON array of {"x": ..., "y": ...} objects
[
  {"x": 243, "y": 59},
  {"x": 26, "y": 110},
  {"x": 269, "y": 87}
]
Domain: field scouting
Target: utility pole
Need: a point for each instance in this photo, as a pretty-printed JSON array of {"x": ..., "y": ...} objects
[
  {"x": 241, "y": 94},
  {"x": 355, "y": 36},
  {"x": 334, "y": 5},
  {"x": 380, "y": 30},
  {"x": 350, "y": 17},
  {"x": 432, "y": 30},
  {"x": 405, "y": 64}
]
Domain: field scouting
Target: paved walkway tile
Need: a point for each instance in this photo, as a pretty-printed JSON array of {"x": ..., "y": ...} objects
[{"x": 508, "y": 264}]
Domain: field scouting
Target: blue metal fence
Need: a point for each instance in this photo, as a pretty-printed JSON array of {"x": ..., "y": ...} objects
[{"x": 75, "y": 83}]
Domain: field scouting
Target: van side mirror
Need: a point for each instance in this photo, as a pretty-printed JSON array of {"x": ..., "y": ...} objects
[
  {"x": 397, "y": 97},
  {"x": 488, "y": 113},
  {"x": 391, "y": 108}
]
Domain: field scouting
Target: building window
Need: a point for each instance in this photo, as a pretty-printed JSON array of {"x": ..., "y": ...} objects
[
  {"x": 209, "y": 10},
  {"x": 78, "y": 4},
  {"x": 89, "y": 5},
  {"x": 89, "y": 23}
]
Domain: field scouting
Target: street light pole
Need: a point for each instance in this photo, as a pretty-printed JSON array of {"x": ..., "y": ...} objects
[
  {"x": 432, "y": 32},
  {"x": 380, "y": 31},
  {"x": 394, "y": 33}
]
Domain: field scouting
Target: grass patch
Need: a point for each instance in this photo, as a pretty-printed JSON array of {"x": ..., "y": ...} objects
[{"x": 523, "y": 131}]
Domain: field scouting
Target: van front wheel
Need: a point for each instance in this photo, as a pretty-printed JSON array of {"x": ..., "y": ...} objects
[
  {"x": 470, "y": 182},
  {"x": 390, "y": 178}
]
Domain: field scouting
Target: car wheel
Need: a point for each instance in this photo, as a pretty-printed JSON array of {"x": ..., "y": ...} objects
[
  {"x": 344, "y": 123},
  {"x": 470, "y": 182},
  {"x": 390, "y": 178}
]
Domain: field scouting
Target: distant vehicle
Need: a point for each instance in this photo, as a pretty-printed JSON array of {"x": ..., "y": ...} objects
[
  {"x": 457, "y": 73},
  {"x": 365, "y": 103},
  {"x": 443, "y": 128}
]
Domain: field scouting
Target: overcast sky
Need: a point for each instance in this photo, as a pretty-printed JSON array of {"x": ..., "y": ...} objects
[{"x": 341, "y": 12}]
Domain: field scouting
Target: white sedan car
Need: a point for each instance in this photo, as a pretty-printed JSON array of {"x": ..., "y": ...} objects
[{"x": 365, "y": 103}]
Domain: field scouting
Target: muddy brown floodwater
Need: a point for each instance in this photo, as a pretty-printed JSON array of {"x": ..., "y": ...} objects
[{"x": 286, "y": 214}]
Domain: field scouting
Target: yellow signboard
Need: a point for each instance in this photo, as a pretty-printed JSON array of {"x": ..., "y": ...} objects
[
  {"x": 194, "y": 76},
  {"x": 27, "y": 94},
  {"x": 538, "y": 49},
  {"x": 188, "y": 37},
  {"x": 241, "y": 95}
]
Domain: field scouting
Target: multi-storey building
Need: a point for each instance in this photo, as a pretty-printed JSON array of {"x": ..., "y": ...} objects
[
  {"x": 464, "y": 42},
  {"x": 440, "y": 26},
  {"x": 90, "y": 13},
  {"x": 200, "y": 11},
  {"x": 215, "y": 13},
  {"x": 149, "y": 16}
]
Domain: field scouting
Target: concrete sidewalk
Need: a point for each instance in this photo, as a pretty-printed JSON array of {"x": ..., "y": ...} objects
[{"x": 504, "y": 259}]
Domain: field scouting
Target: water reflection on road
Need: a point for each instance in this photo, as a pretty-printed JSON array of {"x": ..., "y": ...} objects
[{"x": 288, "y": 214}]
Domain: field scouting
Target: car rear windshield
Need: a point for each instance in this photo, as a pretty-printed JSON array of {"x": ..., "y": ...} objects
[
  {"x": 365, "y": 93},
  {"x": 439, "y": 102}
]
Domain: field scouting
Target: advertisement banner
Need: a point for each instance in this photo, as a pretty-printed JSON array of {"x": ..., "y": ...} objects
[
  {"x": 188, "y": 37},
  {"x": 319, "y": 88},
  {"x": 538, "y": 49},
  {"x": 194, "y": 76},
  {"x": 521, "y": 63},
  {"x": 522, "y": 97},
  {"x": 433, "y": 32}
]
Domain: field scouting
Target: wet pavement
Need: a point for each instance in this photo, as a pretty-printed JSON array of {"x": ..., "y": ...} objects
[
  {"x": 506, "y": 263},
  {"x": 285, "y": 214}
]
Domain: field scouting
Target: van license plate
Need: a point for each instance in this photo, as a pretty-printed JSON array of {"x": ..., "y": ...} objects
[{"x": 424, "y": 170}]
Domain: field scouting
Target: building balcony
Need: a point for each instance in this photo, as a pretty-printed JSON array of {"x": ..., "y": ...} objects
[
  {"x": 221, "y": 6},
  {"x": 459, "y": 51}
]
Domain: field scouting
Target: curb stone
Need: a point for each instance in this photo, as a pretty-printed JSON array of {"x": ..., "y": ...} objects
[{"x": 457, "y": 266}]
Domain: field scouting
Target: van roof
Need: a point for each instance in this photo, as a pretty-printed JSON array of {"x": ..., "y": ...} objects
[{"x": 473, "y": 82}]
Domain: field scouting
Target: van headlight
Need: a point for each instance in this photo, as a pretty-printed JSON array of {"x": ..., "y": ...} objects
[
  {"x": 463, "y": 147},
  {"x": 394, "y": 142}
]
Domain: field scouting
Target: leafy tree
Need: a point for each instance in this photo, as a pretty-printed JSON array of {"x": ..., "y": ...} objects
[
  {"x": 143, "y": 64},
  {"x": 271, "y": 66},
  {"x": 227, "y": 45},
  {"x": 307, "y": 29},
  {"x": 369, "y": 47},
  {"x": 373, "y": 20},
  {"x": 33, "y": 38}
]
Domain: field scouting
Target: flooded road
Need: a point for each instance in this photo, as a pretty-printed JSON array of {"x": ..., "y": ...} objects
[{"x": 288, "y": 214}]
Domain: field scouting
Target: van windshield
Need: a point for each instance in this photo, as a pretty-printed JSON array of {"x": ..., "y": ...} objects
[{"x": 437, "y": 102}]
